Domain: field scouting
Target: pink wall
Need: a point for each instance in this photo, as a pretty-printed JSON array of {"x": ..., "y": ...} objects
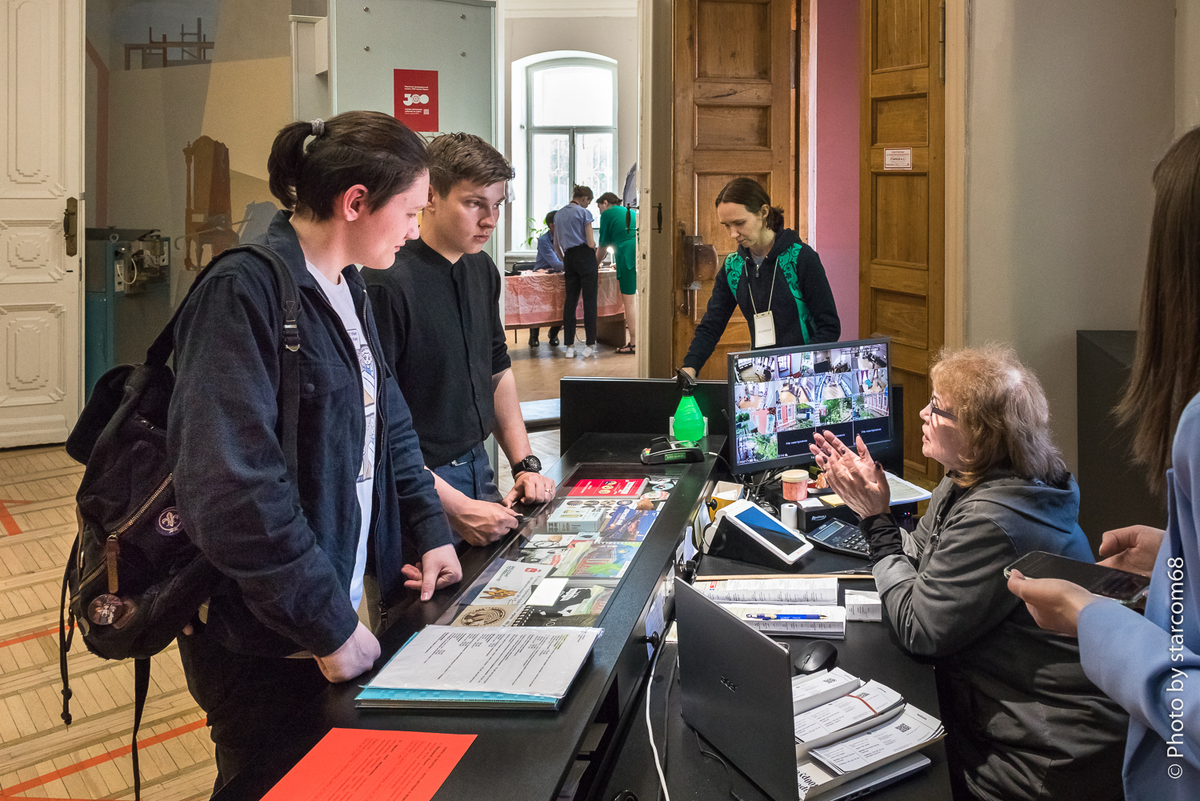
[{"x": 836, "y": 159}]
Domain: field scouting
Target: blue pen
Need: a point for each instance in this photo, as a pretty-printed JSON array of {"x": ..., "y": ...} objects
[{"x": 786, "y": 617}]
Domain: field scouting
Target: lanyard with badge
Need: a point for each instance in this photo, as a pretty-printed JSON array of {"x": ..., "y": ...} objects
[{"x": 764, "y": 322}]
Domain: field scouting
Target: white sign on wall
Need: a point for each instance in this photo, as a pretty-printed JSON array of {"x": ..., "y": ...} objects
[{"x": 897, "y": 158}]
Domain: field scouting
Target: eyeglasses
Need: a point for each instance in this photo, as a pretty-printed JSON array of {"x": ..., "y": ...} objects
[{"x": 949, "y": 415}]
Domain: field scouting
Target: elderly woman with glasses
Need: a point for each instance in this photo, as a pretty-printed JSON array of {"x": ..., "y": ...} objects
[{"x": 1023, "y": 722}]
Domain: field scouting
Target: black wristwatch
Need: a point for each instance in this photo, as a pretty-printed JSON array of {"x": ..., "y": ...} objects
[{"x": 530, "y": 464}]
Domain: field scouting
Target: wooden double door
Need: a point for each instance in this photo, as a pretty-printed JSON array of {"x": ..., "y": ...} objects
[{"x": 741, "y": 109}]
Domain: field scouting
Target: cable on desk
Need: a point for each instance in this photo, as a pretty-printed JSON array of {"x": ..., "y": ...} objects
[
  {"x": 724, "y": 764},
  {"x": 662, "y": 780},
  {"x": 667, "y": 710},
  {"x": 722, "y": 458}
]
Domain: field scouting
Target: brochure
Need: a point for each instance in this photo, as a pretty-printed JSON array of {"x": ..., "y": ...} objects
[{"x": 505, "y": 667}]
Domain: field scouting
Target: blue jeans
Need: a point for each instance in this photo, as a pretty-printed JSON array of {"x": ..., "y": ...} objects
[{"x": 472, "y": 475}]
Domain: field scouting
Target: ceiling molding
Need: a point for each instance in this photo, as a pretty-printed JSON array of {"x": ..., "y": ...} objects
[{"x": 526, "y": 9}]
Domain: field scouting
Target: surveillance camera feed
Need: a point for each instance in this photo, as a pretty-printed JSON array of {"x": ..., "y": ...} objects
[{"x": 780, "y": 396}]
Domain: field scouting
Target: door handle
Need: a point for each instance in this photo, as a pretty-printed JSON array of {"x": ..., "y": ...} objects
[{"x": 71, "y": 226}]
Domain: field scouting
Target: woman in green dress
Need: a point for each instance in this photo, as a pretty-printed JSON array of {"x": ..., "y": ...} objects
[{"x": 618, "y": 229}]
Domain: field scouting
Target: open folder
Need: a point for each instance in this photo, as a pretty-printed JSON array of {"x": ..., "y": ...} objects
[{"x": 482, "y": 668}]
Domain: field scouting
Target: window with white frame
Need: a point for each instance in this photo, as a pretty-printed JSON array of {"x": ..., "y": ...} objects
[{"x": 565, "y": 133}]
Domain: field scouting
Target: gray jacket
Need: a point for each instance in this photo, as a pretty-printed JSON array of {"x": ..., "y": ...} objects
[{"x": 1021, "y": 717}]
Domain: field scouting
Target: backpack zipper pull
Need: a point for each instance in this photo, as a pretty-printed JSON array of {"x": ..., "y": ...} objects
[
  {"x": 105, "y": 609},
  {"x": 112, "y": 549}
]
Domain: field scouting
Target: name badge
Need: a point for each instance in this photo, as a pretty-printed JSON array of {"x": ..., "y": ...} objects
[{"x": 764, "y": 330}]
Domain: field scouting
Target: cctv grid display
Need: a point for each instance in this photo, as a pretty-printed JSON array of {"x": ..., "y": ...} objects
[{"x": 778, "y": 397}]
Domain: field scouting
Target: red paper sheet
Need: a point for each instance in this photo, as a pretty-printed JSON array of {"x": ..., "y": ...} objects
[{"x": 366, "y": 765}]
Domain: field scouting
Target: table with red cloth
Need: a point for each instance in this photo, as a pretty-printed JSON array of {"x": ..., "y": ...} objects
[{"x": 536, "y": 299}]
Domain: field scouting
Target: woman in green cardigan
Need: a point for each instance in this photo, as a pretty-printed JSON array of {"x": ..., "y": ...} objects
[{"x": 618, "y": 229}]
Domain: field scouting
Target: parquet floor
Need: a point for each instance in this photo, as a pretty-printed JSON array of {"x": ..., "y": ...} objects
[
  {"x": 39, "y": 756},
  {"x": 42, "y": 758}
]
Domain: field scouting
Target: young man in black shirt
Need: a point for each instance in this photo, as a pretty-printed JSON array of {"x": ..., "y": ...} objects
[{"x": 437, "y": 310}]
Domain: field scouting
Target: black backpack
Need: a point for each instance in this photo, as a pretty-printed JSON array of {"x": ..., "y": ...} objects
[{"x": 134, "y": 579}]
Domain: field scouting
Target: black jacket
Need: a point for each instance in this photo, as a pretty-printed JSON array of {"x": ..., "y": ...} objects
[
  {"x": 287, "y": 552},
  {"x": 810, "y": 281},
  {"x": 1023, "y": 719}
]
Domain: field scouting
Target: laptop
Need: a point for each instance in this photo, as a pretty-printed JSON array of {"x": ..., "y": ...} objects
[{"x": 736, "y": 688}]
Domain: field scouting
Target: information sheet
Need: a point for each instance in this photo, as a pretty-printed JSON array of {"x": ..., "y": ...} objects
[
  {"x": 366, "y": 765},
  {"x": 506, "y": 660}
]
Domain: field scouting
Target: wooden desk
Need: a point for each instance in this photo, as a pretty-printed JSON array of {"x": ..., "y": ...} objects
[{"x": 525, "y": 755}]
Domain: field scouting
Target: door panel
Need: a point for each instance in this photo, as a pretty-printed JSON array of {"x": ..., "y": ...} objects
[
  {"x": 902, "y": 249},
  {"x": 733, "y": 117},
  {"x": 41, "y": 166}
]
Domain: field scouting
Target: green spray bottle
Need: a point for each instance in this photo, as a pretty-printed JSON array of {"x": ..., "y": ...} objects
[{"x": 688, "y": 422}]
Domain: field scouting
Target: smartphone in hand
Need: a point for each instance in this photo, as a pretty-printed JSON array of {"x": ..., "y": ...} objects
[{"x": 1128, "y": 588}]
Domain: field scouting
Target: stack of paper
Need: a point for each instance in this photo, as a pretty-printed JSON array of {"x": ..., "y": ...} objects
[
  {"x": 867, "y": 706},
  {"x": 779, "y": 590},
  {"x": 481, "y": 668},
  {"x": 810, "y": 690},
  {"x": 860, "y": 754}
]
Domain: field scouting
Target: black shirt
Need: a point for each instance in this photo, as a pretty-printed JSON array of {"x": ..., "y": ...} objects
[{"x": 442, "y": 336}]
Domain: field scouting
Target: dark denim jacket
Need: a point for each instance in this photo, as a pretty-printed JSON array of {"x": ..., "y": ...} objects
[{"x": 287, "y": 552}]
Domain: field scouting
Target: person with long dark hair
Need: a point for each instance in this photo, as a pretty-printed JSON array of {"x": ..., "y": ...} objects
[
  {"x": 773, "y": 277},
  {"x": 575, "y": 242},
  {"x": 293, "y": 549},
  {"x": 1151, "y": 664},
  {"x": 618, "y": 230}
]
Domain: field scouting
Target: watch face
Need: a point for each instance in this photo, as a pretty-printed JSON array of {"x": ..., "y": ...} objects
[{"x": 529, "y": 464}]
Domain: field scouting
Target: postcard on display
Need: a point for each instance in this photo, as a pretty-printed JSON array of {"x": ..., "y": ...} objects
[
  {"x": 567, "y": 604},
  {"x": 549, "y": 557},
  {"x": 566, "y": 519},
  {"x": 608, "y": 488},
  {"x": 597, "y": 560},
  {"x": 543, "y": 541},
  {"x": 627, "y": 524}
]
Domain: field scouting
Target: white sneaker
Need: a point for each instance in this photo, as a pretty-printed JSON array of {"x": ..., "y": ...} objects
[
  {"x": 587, "y": 351},
  {"x": 570, "y": 352}
]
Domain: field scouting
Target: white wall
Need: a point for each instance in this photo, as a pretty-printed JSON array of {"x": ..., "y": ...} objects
[
  {"x": 1187, "y": 65},
  {"x": 611, "y": 36},
  {"x": 1069, "y": 107}
]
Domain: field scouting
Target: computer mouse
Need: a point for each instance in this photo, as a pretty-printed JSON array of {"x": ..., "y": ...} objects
[{"x": 818, "y": 655}]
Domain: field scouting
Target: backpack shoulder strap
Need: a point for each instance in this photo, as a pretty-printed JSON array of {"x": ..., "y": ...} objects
[{"x": 289, "y": 384}]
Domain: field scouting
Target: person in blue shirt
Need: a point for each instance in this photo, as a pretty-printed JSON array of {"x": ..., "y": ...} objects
[
  {"x": 547, "y": 261},
  {"x": 575, "y": 241},
  {"x": 1150, "y": 664}
]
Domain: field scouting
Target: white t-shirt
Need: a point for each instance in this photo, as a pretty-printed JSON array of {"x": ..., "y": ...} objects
[{"x": 339, "y": 297}]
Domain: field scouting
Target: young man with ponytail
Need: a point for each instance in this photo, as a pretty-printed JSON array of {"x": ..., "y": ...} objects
[{"x": 292, "y": 549}]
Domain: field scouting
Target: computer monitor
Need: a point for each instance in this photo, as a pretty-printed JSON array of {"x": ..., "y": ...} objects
[{"x": 778, "y": 397}]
